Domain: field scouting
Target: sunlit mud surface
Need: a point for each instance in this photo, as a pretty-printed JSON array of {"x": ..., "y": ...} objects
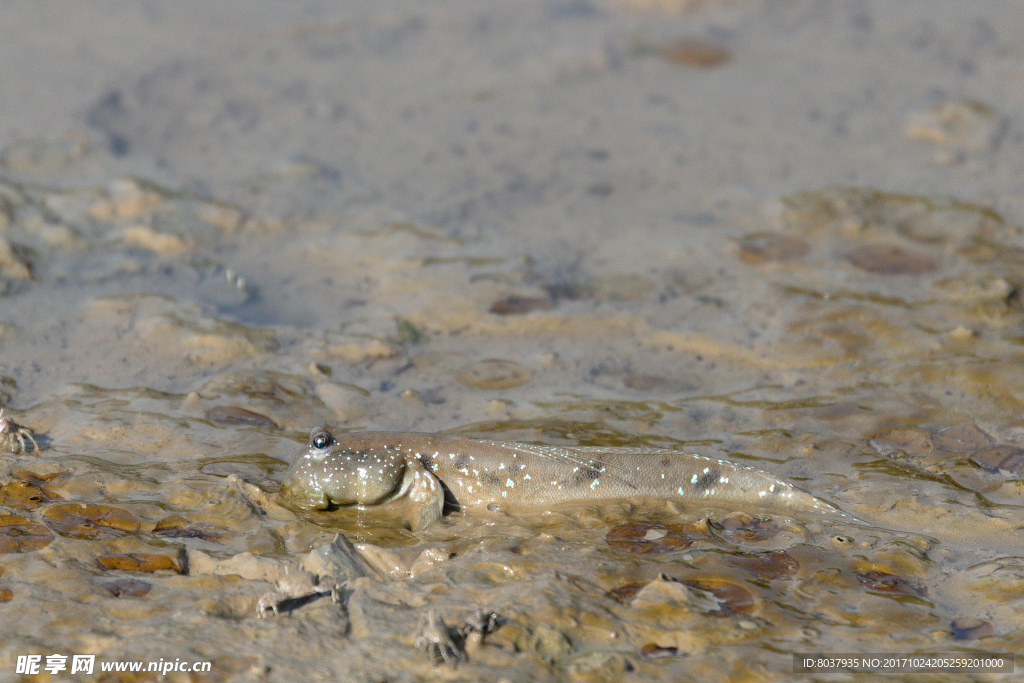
[
  {"x": 170, "y": 351},
  {"x": 864, "y": 345}
]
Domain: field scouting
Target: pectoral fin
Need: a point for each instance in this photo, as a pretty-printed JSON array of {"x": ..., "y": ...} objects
[{"x": 420, "y": 500}]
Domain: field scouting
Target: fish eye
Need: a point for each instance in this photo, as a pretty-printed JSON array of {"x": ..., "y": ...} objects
[{"x": 321, "y": 440}]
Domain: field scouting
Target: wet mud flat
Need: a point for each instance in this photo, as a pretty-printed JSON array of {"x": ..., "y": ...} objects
[
  {"x": 883, "y": 377},
  {"x": 170, "y": 347}
]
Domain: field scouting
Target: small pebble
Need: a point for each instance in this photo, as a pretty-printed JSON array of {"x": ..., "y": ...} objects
[
  {"x": 971, "y": 628},
  {"x": 771, "y": 564},
  {"x": 87, "y": 521},
  {"x": 962, "y": 438},
  {"x": 518, "y": 305},
  {"x": 319, "y": 370},
  {"x": 494, "y": 374},
  {"x": 141, "y": 562},
  {"x": 234, "y": 415},
  {"x": 890, "y": 583},
  {"x": 21, "y": 535},
  {"x": 961, "y": 333},
  {"x": 960, "y": 123},
  {"x": 133, "y": 588},
  {"x": 889, "y": 259},
  {"x": 696, "y": 52},
  {"x": 654, "y": 651},
  {"x": 771, "y": 246},
  {"x": 726, "y": 596}
]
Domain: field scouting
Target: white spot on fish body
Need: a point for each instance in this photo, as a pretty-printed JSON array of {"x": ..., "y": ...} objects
[
  {"x": 527, "y": 476},
  {"x": 509, "y": 483},
  {"x": 693, "y": 479},
  {"x": 592, "y": 484},
  {"x": 504, "y": 494}
]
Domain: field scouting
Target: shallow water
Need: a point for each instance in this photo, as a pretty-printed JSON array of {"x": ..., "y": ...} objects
[{"x": 177, "y": 314}]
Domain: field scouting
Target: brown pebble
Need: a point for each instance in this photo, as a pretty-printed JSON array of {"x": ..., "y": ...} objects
[
  {"x": 973, "y": 479},
  {"x": 888, "y": 259},
  {"x": 23, "y": 494},
  {"x": 771, "y": 246},
  {"x": 6, "y": 595},
  {"x": 233, "y": 415},
  {"x": 179, "y": 527},
  {"x": 964, "y": 438},
  {"x": 39, "y": 479},
  {"x": 320, "y": 370},
  {"x": 494, "y": 374},
  {"x": 959, "y": 123},
  {"x": 1014, "y": 463},
  {"x": 627, "y": 592},
  {"x": 908, "y": 440},
  {"x": 22, "y": 535},
  {"x": 12, "y": 263},
  {"x": 139, "y": 562},
  {"x": 641, "y": 538},
  {"x": 741, "y": 527},
  {"x": 96, "y": 522},
  {"x": 127, "y": 588},
  {"x": 517, "y": 305},
  {"x": 642, "y": 382},
  {"x": 732, "y": 598},
  {"x": 890, "y": 583},
  {"x": 655, "y": 651},
  {"x": 1000, "y": 457},
  {"x": 771, "y": 564},
  {"x": 696, "y": 52},
  {"x": 971, "y": 628}
]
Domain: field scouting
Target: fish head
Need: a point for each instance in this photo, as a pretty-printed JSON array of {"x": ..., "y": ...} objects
[{"x": 326, "y": 474}]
